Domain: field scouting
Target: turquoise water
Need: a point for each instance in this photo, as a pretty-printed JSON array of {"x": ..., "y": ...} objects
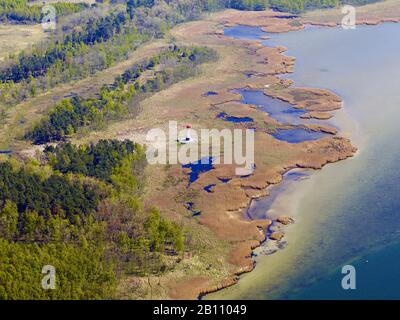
[{"x": 349, "y": 212}]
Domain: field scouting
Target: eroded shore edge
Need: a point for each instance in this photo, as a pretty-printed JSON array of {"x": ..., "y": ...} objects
[{"x": 318, "y": 115}]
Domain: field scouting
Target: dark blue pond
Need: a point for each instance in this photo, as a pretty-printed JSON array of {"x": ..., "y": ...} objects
[
  {"x": 297, "y": 135},
  {"x": 225, "y": 117},
  {"x": 189, "y": 206},
  {"x": 287, "y": 16},
  {"x": 210, "y": 93},
  {"x": 209, "y": 187},
  {"x": 200, "y": 166}
]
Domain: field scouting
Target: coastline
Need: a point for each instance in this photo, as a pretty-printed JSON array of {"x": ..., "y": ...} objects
[
  {"x": 227, "y": 238},
  {"x": 329, "y": 102},
  {"x": 343, "y": 125},
  {"x": 230, "y": 239}
]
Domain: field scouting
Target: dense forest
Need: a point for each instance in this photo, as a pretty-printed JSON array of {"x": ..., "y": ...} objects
[
  {"x": 85, "y": 43},
  {"x": 95, "y": 38},
  {"x": 37, "y": 62},
  {"x": 123, "y": 97},
  {"x": 18, "y": 11},
  {"x": 297, "y": 6},
  {"x": 80, "y": 211},
  {"x": 294, "y": 6}
]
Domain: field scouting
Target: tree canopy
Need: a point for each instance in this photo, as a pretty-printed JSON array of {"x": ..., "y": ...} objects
[
  {"x": 80, "y": 211},
  {"x": 20, "y": 12}
]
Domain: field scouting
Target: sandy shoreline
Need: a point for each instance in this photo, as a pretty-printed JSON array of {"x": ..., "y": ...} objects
[
  {"x": 318, "y": 101},
  {"x": 224, "y": 241},
  {"x": 317, "y": 114}
]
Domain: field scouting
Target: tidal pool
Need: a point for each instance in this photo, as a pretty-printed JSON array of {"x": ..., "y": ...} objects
[
  {"x": 196, "y": 168},
  {"x": 244, "y": 32},
  {"x": 280, "y": 110},
  {"x": 297, "y": 135},
  {"x": 226, "y": 117},
  {"x": 349, "y": 212}
]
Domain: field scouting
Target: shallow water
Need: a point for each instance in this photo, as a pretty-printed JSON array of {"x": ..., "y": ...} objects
[
  {"x": 297, "y": 135},
  {"x": 349, "y": 212},
  {"x": 277, "y": 109},
  {"x": 210, "y": 93},
  {"x": 261, "y": 208},
  {"x": 280, "y": 110},
  {"x": 244, "y": 32},
  {"x": 225, "y": 117}
]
